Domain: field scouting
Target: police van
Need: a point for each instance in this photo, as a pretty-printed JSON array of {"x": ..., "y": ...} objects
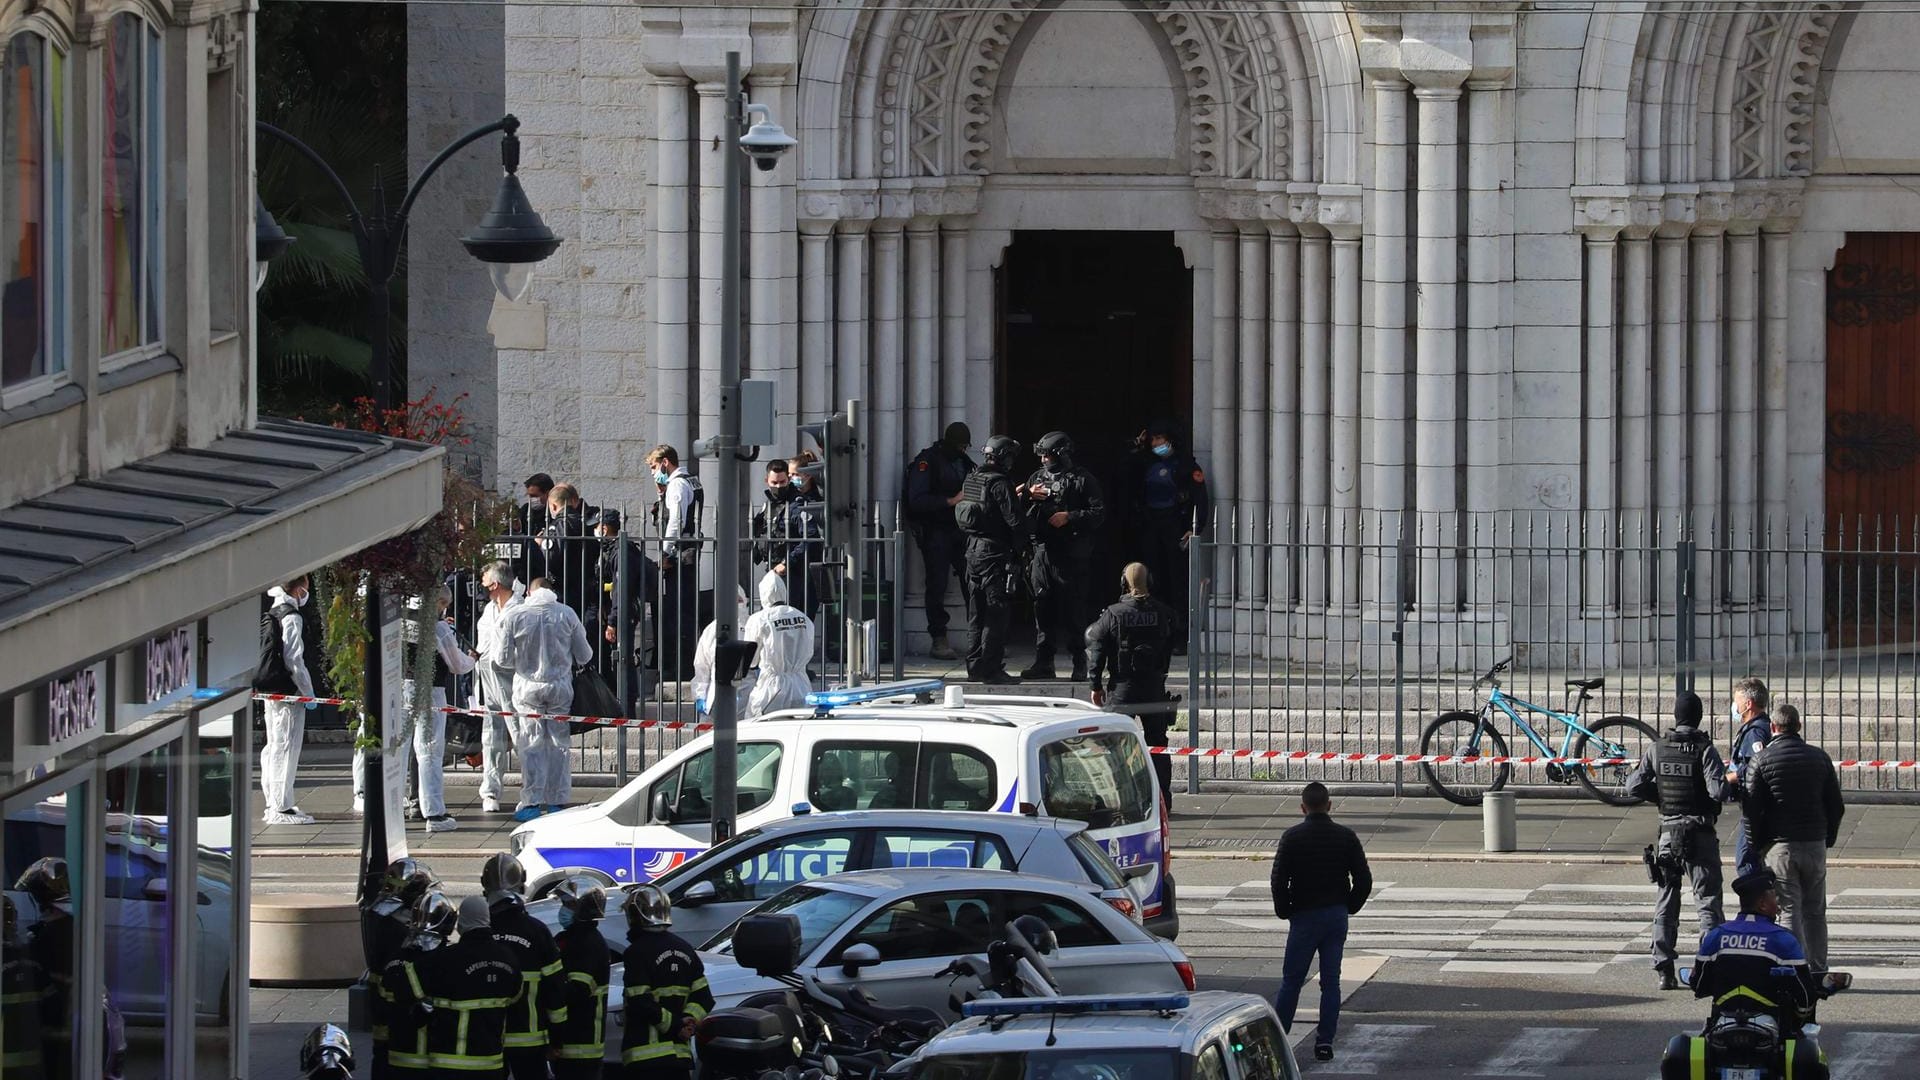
[{"x": 876, "y": 748}]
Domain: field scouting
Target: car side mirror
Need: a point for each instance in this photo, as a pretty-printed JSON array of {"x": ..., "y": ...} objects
[
  {"x": 699, "y": 893},
  {"x": 859, "y": 957},
  {"x": 662, "y": 811}
]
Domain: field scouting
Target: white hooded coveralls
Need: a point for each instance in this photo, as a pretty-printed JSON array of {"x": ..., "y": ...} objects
[
  {"x": 703, "y": 657},
  {"x": 496, "y": 692},
  {"x": 543, "y": 642},
  {"x": 785, "y": 636},
  {"x": 286, "y": 720}
]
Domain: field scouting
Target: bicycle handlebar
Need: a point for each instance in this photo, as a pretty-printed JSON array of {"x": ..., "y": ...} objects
[{"x": 1492, "y": 673}]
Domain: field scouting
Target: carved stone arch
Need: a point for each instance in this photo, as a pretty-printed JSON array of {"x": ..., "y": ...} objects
[
  {"x": 1753, "y": 139},
  {"x": 823, "y": 62},
  {"x": 94, "y": 17},
  {"x": 1603, "y": 116},
  {"x": 50, "y": 22},
  {"x": 1799, "y": 82},
  {"x": 1714, "y": 122}
]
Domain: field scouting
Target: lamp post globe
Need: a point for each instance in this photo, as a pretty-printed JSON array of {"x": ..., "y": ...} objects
[
  {"x": 269, "y": 241},
  {"x": 511, "y": 238}
]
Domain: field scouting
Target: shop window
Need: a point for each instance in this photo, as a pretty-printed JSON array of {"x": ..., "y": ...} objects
[
  {"x": 138, "y": 916},
  {"x": 45, "y": 847},
  {"x": 33, "y": 210},
  {"x": 132, "y": 155},
  {"x": 215, "y": 934}
]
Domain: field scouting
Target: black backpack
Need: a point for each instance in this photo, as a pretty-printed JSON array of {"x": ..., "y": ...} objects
[{"x": 271, "y": 675}]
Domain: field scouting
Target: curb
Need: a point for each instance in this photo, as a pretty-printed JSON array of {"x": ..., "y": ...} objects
[{"x": 1583, "y": 858}]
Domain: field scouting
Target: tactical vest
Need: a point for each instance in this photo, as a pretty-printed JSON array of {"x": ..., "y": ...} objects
[
  {"x": 1144, "y": 642},
  {"x": 1677, "y": 762},
  {"x": 976, "y": 518}
]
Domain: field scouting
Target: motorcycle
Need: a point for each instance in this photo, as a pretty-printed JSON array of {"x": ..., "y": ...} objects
[
  {"x": 1014, "y": 966},
  {"x": 1747, "y": 1043}
]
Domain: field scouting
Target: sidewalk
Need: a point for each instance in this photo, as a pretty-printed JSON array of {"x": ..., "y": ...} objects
[{"x": 1214, "y": 824}]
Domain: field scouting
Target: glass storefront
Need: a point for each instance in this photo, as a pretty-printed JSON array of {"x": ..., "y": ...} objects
[
  {"x": 214, "y": 1055},
  {"x": 45, "y": 857}
]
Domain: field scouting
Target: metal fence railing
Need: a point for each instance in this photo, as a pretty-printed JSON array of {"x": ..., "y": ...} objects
[{"x": 1352, "y": 634}]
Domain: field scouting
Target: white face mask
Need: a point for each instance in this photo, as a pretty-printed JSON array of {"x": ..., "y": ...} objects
[{"x": 1734, "y": 709}]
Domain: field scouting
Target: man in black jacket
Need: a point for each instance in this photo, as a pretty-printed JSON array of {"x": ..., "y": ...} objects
[
  {"x": 1320, "y": 879},
  {"x": 1793, "y": 817},
  {"x": 1684, "y": 776},
  {"x": 931, "y": 491},
  {"x": 996, "y": 539}
]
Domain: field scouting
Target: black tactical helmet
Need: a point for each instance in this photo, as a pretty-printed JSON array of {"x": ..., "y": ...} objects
[
  {"x": 407, "y": 880},
  {"x": 326, "y": 1055},
  {"x": 587, "y": 901},
  {"x": 1001, "y": 450},
  {"x": 47, "y": 882},
  {"x": 648, "y": 908},
  {"x": 503, "y": 877},
  {"x": 1057, "y": 445},
  {"x": 1038, "y": 933},
  {"x": 434, "y": 914}
]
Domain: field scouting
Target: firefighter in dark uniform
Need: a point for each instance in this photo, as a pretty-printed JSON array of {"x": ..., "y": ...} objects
[
  {"x": 1169, "y": 509},
  {"x": 666, "y": 991},
  {"x": 503, "y": 881},
  {"x": 996, "y": 539},
  {"x": 1684, "y": 775},
  {"x": 403, "y": 1029},
  {"x": 25, "y": 987},
  {"x": 469, "y": 988},
  {"x": 389, "y": 920},
  {"x": 932, "y": 490},
  {"x": 580, "y": 1041},
  {"x": 1133, "y": 640},
  {"x": 50, "y": 948},
  {"x": 1066, "y": 509}
]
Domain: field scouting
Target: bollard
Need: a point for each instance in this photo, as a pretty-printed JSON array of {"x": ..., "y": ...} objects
[{"x": 1496, "y": 815}]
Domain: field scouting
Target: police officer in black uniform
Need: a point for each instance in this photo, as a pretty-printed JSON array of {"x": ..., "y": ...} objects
[
  {"x": 503, "y": 881},
  {"x": 641, "y": 587},
  {"x": 1065, "y": 508},
  {"x": 402, "y": 1030},
  {"x": 580, "y": 1041},
  {"x": 1133, "y": 639},
  {"x": 996, "y": 539},
  {"x": 389, "y": 918},
  {"x": 786, "y": 534},
  {"x": 1169, "y": 507},
  {"x": 931, "y": 491},
  {"x": 665, "y": 994},
  {"x": 1684, "y": 775}
]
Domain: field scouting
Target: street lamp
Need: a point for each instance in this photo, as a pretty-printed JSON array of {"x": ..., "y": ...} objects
[
  {"x": 765, "y": 143},
  {"x": 269, "y": 240},
  {"x": 509, "y": 239}
]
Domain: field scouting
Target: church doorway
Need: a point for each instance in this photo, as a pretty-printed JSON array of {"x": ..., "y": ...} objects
[{"x": 1096, "y": 340}]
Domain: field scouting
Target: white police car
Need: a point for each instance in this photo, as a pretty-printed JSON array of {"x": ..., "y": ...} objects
[
  {"x": 1209, "y": 1035},
  {"x": 877, "y": 748}
]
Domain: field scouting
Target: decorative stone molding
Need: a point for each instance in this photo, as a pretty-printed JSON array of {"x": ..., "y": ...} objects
[
  {"x": 1342, "y": 210},
  {"x": 1601, "y": 212},
  {"x": 1802, "y": 81},
  {"x": 223, "y": 42},
  {"x": 853, "y": 200},
  {"x": 1752, "y": 92}
]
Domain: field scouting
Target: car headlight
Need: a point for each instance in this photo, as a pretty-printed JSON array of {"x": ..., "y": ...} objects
[{"x": 516, "y": 843}]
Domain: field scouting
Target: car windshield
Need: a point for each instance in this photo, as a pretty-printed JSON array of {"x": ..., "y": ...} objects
[
  {"x": 1089, "y": 1063},
  {"x": 820, "y": 911}
]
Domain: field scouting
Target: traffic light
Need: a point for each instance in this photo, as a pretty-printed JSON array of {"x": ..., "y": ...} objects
[{"x": 836, "y": 489}]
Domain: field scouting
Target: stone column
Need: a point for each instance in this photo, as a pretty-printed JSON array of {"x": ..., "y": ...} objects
[
  {"x": 923, "y": 334},
  {"x": 1346, "y": 423},
  {"x": 1251, "y": 484},
  {"x": 816, "y": 320},
  {"x": 850, "y": 340},
  {"x": 1742, "y": 407},
  {"x": 1226, "y": 378},
  {"x": 953, "y": 327},
  {"x": 1387, "y": 479},
  {"x": 672, "y": 258},
  {"x": 1776, "y": 240},
  {"x": 1598, "y": 458},
  {"x": 1436, "y": 355},
  {"x": 1286, "y": 419},
  {"x": 889, "y": 362},
  {"x": 1636, "y": 421},
  {"x": 1314, "y": 464},
  {"x": 1670, "y": 383},
  {"x": 1703, "y": 458},
  {"x": 1488, "y": 362},
  {"x": 713, "y": 112}
]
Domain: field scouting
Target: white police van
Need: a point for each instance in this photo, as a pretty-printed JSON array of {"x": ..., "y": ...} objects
[{"x": 877, "y": 748}]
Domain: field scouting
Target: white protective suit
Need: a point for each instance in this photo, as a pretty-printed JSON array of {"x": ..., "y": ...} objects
[
  {"x": 430, "y": 735},
  {"x": 286, "y": 720},
  {"x": 785, "y": 636},
  {"x": 543, "y": 642},
  {"x": 703, "y": 654},
  {"x": 496, "y": 692}
]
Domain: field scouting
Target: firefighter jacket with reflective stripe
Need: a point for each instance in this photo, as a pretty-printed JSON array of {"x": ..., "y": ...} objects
[
  {"x": 398, "y": 1012},
  {"x": 666, "y": 985},
  {"x": 470, "y": 985},
  {"x": 585, "y": 963},
  {"x": 389, "y": 936},
  {"x": 24, "y": 990},
  {"x": 538, "y": 959}
]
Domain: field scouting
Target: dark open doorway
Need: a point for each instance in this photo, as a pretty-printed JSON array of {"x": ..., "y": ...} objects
[{"x": 1095, "y": 339}]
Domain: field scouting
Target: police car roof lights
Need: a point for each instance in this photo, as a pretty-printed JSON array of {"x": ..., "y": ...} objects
[
  {"x": 923, "y": 689},
  {"x": 1075, "y": 1005}
]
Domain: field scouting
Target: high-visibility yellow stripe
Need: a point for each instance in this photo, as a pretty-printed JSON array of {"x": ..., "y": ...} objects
[
  {"x": 1696, "y": 1058},
  {"x": 522, "y": 1039},
  {"x": 471, "y": 1004},
  {"x": 1789, "y": 1075},
  {"x": 583, "y": 1052},
  {"x": 1744, "y": 992},
  {"x": 695, "y": 1010},
  {"x": 551, "y": 969},
  {"x": 465, "y": 1063},
  {"x": 648, "y": 1052}
]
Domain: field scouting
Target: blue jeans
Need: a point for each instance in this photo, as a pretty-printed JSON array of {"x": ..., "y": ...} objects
[
  {"x": 1322, "y": 931},
  {"x": 1745, "y": 859}
]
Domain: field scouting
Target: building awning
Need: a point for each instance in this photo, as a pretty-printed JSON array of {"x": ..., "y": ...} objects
[{"x": 165, "y": 540}]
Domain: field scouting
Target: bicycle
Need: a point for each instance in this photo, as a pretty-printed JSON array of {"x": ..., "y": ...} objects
[{"x": 1472, "y": 734}]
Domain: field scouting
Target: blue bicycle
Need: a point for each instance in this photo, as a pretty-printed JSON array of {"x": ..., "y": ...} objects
[{"x": 1472, "y": 734}]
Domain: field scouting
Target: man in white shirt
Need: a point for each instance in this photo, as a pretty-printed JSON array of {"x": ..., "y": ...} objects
[
  {"x": 496, "y": 680},
  {"x": 288, "y": 655},
  {"x": 430, "y": 734},
  {"x": 785, "y": 637},
  {"x": 678, "y": 514},
  {"x": 544, "y": 642}
]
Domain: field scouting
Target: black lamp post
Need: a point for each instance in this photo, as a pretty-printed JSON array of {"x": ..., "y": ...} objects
[{"x": 509, "y": 239}]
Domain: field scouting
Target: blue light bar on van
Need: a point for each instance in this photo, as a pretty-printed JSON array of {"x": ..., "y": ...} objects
[
  {"x": 1067, "y": 1006},
  {"x": 860, "y": 695}
]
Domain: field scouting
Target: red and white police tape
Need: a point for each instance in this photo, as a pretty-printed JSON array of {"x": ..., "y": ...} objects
[{"x": 1235, "y": 753}]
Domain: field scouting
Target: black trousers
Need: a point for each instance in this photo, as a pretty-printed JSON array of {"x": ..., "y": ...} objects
[
  {"x": 990, "y": 608},
  {"x": 943, "y": 551},
  {"x": 578, "y": 1070},
  {"x": 679, "y": 616},
  {"x": 527, "y": 1063},
  {"x": 1060, "y": 617},
  {"x": 1166, "y": 560}
]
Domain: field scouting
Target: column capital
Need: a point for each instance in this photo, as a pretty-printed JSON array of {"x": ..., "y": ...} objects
[
  {"x": 1600, "y": 210},
  {"x": 1341, "y": 210},
  {"x": 837, "y": 201},
  {"x": 1713, "y": 207}
]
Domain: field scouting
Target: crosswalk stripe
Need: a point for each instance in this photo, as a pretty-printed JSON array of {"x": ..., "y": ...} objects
[
  {"x": 1534, "y": 1046},
  {"x": 1871, "y": 1055},
  {"x": 1524, "y": 967},
  {"x": 1373, "y": 1045}
]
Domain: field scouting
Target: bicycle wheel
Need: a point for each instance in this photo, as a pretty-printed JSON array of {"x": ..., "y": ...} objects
[
  {"x": 1461, "y": 734},
  {"x": 1614, "y": 736}
]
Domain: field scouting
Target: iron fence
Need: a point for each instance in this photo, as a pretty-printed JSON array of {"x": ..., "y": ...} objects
[{"x": 1351, "y": 634}]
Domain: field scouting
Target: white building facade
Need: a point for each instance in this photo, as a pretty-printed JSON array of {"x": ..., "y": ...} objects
[{"x": 1384, "y": 265}]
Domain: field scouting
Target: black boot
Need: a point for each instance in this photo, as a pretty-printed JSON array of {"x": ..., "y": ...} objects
[{"x": 1666, "y": 978}]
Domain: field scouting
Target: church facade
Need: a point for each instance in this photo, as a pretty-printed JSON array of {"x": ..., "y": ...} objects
[{"x": 1638, "y": 266}]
